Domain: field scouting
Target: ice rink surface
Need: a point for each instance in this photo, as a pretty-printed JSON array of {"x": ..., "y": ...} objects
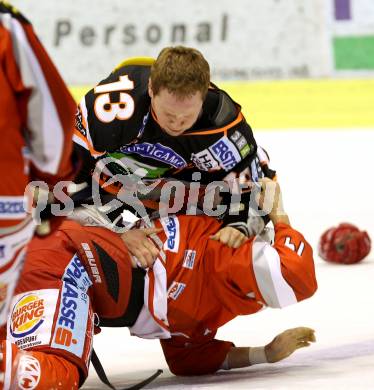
[{"x": 326, "y": 178}]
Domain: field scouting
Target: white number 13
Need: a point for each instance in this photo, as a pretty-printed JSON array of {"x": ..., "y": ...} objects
[{"x": 117, "y": 110}]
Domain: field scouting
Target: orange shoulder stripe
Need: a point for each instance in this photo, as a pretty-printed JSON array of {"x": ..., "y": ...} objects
[
  {"x": 224, "y": 129},
  {"x": 94, "y": 153}
]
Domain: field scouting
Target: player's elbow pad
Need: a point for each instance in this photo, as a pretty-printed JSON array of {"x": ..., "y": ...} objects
[{"x": 283, "y": 278}]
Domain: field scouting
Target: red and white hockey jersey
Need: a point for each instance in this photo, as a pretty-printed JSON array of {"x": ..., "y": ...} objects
[
  {"x": 195, "y": 286},
  {"x": 36, "y": 119}
]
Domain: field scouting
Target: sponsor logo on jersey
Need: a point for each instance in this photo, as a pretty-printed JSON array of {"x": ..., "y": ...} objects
[
  {"x": 189, "y": 258},
  {"x": 176, "y": 290},
  {"x": 76, "y": 274},
  {"x": 27, "y": 315},
  {"x": 246, "y": 150},
  {"x": 171, "y": 228},
  {"x": 241, "y": 143},
  {"x": 12, "y": 207},
  {"x": 235, "y": 135},
  {"x": 28, "y": 372},
  {"x": 204, "y": 160},
  {"x": 72, "y": 318},
  {"x": 226, "y": 153},
  {"x": 68, "y": 307},
  {"x": 92, "y": 262},
  {"x": 157, "y": 152},
  {"x": 31, "y": 318}
]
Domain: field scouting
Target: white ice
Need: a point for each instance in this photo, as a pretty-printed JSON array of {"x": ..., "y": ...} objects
[{"x": 327, "y": 178}]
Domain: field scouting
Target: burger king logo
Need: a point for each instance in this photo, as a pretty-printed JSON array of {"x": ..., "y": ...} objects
[{"x": 27, "y": 315}]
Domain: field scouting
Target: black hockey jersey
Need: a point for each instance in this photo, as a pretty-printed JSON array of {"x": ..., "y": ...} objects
[{"x": 115, "y": 119}]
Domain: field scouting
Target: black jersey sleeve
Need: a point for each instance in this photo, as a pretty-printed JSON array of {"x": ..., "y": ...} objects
[{"x": 87, "y": 164}]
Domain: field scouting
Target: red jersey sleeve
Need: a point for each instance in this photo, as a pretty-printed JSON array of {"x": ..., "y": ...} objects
[
  {"x": 45, "y": 106},
  {"x": 284, "y": 273}
]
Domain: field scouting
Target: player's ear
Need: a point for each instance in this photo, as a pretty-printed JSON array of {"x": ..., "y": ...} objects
[{"x": 150, "y": 91}]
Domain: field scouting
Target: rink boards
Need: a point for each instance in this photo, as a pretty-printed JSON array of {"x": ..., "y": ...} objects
[{"x": 308, "y": 104}]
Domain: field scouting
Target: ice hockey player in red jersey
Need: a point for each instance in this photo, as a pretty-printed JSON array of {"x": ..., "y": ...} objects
[
  {"x": 162, "y": 119},
  {"x": 36, "y": 119},
  {"x": 80, "y": 278}
]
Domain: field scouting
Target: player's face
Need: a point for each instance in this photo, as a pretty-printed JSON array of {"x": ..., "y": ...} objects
[{"x": 175, "y": 115}]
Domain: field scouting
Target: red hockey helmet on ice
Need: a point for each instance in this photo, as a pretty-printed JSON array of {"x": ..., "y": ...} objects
[{"x": 345, "y": 244}]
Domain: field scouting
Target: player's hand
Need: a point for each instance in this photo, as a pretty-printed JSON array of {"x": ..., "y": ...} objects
[
  {"x": 288, "y": 342},
  {"x": 270, "y": 201},
  {"x": 230, "y": 236},
  {"x": 141, "y": 247}
]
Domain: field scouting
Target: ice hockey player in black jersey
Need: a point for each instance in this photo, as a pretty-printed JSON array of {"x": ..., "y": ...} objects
[{"x": 164, "y": 119}]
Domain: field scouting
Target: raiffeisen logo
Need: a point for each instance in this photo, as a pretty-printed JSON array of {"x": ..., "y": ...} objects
[{"x": 26, "y": 316}]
